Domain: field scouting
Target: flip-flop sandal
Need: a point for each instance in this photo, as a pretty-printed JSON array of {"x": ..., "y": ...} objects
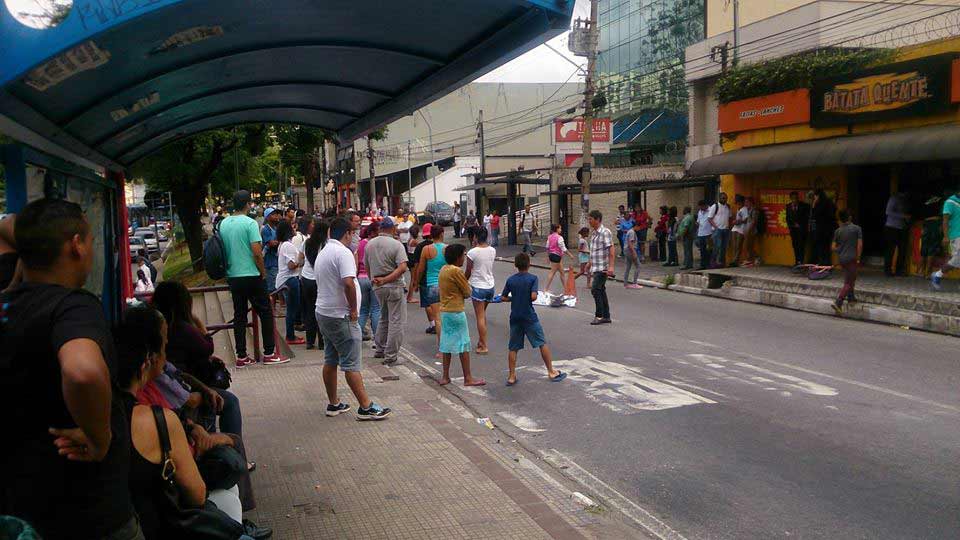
[
  {"x": 483, "y": 352},
  {"x": 478, "y": 382},
  {"x": 513, "y": 383},
  {"x": 560, "y": 376}
]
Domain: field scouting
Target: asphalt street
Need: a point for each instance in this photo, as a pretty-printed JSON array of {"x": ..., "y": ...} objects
[{"x": 731, "y": 420}]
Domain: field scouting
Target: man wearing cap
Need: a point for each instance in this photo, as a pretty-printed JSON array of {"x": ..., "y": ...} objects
[
  {"x": 385, "y": 259},
  {"x": 246, "y": 271},
  {"x": 271, "y": 218}
]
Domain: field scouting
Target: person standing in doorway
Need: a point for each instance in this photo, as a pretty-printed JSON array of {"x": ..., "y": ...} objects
[
  {"x": 386, "y": 261},
  {"x": 848, "y": 245},
  {"x": 338, "y": 315},
  {"x": 738, "y": 231},
  {"x": 686, "y": 233},
  {"x": 719, "y": 217},
  {"x": 603, "y": 253},
  {"x": 798, "y": 221},
  {"x": 528, "y": 228},
  {"x": 457, "y": 217},
  {"x": 246, "y": 277},
  {"x": 482, "y": 285},
  {"x": 951, "y": 238},
  {"x": 661, "y": 231},
  {"x": 494, "y": 239},
  {"x": 824, "y": 223},
  {"x": 704, "y": 232},
  {"x": 271, "y": 247},
  {"x": 895, "y": 235}
]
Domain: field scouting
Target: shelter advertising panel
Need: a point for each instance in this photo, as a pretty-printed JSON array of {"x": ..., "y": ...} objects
[
  {"x": 915, "y": 88},
  {"x": 781, "y": 109},
  {"x": 773, "y": 203}
]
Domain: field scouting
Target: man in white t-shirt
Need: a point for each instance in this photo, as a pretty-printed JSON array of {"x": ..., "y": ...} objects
[
  {"x": 740, "y": 226},
  {"x": 482, "y": 284},
  {"x": 338, "y": 304},
  {"x": 719, "y": 218},
  {"x": 704, "y": 232},
  {"x": 528, "y": 228}
]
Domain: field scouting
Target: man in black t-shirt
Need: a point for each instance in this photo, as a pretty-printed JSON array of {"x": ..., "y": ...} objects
[{"x": 64, "y": 466}]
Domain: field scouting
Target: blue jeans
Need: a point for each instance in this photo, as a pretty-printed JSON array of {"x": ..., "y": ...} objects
[
  {"x": 271, "y": 278},
  {"x": 369, "y": 306},
  {"x": 721, "y": 238},
  {"x": 293, "y": 305},
  {"x": 703, "y": 244},
  {"x": 231, "y": 421}
]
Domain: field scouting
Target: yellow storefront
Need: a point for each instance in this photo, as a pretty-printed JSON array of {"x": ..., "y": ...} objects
[{"x": 890, "y": 128}]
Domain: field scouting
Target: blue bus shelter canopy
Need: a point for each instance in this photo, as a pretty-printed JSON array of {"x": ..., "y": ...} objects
[{"x": 117, "y": 80}]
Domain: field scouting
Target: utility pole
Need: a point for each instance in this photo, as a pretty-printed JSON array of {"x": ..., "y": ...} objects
[
  {"x": 236, "y": 160},
  {"x": 588, "y": 111},
  {"x": 309, "y": 180},
  {"x": 736, "y": 32},
  {"x": 432, "y": 161},
  {"x": 409, "y": 180},
  {"x": 373, "y": 174},
  {"x": 323, "y": 172},
  {"x": 483, "y": 159}
]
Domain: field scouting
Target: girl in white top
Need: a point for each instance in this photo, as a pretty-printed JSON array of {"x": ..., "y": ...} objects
[
  {"x": 290, "y": 260},
  {"x": 483, "y": 286}
]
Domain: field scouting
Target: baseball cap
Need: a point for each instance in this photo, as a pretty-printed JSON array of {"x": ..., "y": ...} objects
[
  {"x": 387, "y": 223},
  {"x": 268, "y": 211},
  {"x": 426, "y": 230}
]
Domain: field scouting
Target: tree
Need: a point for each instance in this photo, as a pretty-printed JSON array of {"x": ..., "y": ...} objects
[
  {"x": 376, "y": 135},
  {"x": 298, "y": 150},
  {"x": 186, "y": 168}
]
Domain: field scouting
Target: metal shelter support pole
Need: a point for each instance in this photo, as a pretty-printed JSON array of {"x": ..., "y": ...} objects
[
  {"x": 736, "y": 32},
  {"x": 409, "y": 179},
  {"x": 126, "y": 277},
  {"x": 588, "y": 112},
  {"x": 511, "y": 218}
]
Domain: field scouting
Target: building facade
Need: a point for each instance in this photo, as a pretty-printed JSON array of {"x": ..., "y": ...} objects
[{"x": 860, "y": 132}]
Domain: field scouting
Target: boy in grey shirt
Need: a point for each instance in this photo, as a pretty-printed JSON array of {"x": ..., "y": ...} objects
[{"x": 848, "y": 244}]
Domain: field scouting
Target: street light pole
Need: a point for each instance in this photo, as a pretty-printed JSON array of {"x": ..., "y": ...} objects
[
  {"x": 432, "y": 164},
  {"x": 588, "y": 112}
]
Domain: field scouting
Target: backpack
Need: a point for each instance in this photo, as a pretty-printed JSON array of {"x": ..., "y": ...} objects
[
  {"x": 215, "y": 255},
  {"x": 761, "y": 221}
]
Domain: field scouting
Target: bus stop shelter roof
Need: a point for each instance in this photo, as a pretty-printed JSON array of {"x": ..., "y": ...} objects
[{"x": 116, "y": 81}]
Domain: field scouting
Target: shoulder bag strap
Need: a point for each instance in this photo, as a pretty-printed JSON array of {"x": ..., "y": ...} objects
[{"x": 169, "y": 469}]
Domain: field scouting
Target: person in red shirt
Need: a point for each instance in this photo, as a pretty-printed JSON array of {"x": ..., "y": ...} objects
[
  {"x": 642, "y": 218},
  {"x": 495, "y": 228},
  {"x": 661, "y": 231}
]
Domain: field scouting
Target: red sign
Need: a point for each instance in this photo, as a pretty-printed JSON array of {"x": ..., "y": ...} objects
[
  {"x": 572, "y": 131},
  {"x": 955, "y": 82},
  {"x": 773, "y": 202},
  {"x": 783, "y": 109}
]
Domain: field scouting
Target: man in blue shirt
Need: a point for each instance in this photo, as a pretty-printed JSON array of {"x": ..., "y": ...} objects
[
  {"x": 271, "y": 218},
  {"x": 521, "y": 291}
]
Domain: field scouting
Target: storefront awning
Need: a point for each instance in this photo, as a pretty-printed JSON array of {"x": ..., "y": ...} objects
[
  {"x": 930, "y": 143},
  {"x": 638, "y": 185}
]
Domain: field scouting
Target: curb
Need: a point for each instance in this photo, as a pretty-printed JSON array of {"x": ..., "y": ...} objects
[{"x": 644, "y": 282}]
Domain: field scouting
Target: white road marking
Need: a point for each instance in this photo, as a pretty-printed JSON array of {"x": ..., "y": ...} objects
[
  {"x": 614, "y": 498},
  {"x": 844, "y": 380},
  {"x": 794, "y": 382},
  {"x": 523, "y": 423},
  {"x": 772, "y": 377},
  {"x": 695, "y": 387},
  {"x": 624, "y": 389}
]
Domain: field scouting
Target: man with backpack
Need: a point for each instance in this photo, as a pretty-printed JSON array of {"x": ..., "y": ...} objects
[
  {"x": 246, "y": 275},
  {"x": 719, "y": 218}
]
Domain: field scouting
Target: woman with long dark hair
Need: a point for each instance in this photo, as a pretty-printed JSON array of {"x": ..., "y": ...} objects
[
  {"x": 308, "y": 282},
  {"x": 289, "y": 262}
]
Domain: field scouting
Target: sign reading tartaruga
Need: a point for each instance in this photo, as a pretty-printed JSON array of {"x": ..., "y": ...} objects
[{"x": 918, "y": 87}]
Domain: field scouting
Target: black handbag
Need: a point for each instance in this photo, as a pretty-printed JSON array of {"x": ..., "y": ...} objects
[
  {"x": 219, "y": 375},
  {"x": 206, "y": 523},
  {"x": 221, "y": 467}
]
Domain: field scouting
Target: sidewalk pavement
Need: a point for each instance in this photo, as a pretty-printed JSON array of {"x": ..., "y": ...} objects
[{"x": 429, "y": 471}]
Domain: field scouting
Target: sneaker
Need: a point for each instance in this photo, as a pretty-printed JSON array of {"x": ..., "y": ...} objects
[
  {"x": 431, "y": 330},
  {"x": 837, "y": 308},
  {"x": 373, "y": 412},
  {"x": 296, "y": 341},
  {"x": 367, "y": 337},
  {"x": 379, "y": 354},
  {"x": 311, "y": 346},
  {"x": 255, "y": 531},
  {"x": 334, "y": 410},
  {"x": 274, "y": 360},
  {"x": 245, "y": 361},
  {"x": 634, "y": 286},
  {"x": 936, "y": 281}
]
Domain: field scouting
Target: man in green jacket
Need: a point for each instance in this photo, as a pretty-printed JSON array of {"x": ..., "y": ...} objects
[{"x": 687, "y": 233}]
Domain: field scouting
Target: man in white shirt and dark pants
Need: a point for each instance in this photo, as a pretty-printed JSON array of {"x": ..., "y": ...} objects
[
  {"x": 704, "y": 232},
  {"x": 527, "y": 229},
  {"x": 338, "y": 304},
  {"x": 719, "y": 218}
]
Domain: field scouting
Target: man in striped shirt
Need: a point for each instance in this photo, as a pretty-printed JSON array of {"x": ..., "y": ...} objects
[{"x": 602, "y": 255}]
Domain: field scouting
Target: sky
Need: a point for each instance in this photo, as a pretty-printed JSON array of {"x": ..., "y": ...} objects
[{"x": 539, "y": 65}]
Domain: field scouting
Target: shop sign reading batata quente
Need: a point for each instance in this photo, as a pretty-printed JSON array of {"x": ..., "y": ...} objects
[{"x": 913, "y": 88}]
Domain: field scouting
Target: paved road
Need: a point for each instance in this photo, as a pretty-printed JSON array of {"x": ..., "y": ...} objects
[{"x": 731, "y": 420}]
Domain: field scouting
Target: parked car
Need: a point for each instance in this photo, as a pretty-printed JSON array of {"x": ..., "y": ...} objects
[
  {"x": 149, "y": 238},
  {"x": 442, "y": 212},
  {"x": 137, "y": 246}
]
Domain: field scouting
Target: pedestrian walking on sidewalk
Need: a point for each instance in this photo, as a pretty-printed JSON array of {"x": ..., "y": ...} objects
[
  {"x": 246, "y": 277},
  {"x": 428, "y": 278},
  {"x": 528, "y": 228},
  {"x": 521, "y": 291},
  {"x": 848, "y": 245},
  {"x": 719, "y": 218},
  {"x": 951, "y": 238},
  {"x": 386, "y": 261},
  {"x": 556, "y": 251},
  {"x": 686, "y": 233},
  {"x": 479, "y": 273},
  {"x": 632, "y": 259},
  {"x": 455, "y": 339},
  {"x": 603, "y": 253},
  {"x": 290, "y": 262},
  {"x": 338, "y": 315},
  {"x": 583, "y": 252}
]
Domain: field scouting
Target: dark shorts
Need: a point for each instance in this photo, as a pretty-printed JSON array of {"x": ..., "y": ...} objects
[
  {"x": 429, "y": 295},
  {"x": 482, "y": 295},
  {"x": 533, "y": 332},
  {"x": 554, "y": 258}
]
